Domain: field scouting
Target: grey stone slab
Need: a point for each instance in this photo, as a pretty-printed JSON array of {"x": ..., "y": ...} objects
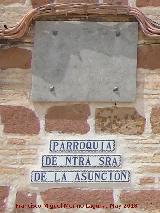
[{"x": 84, "y": 61}]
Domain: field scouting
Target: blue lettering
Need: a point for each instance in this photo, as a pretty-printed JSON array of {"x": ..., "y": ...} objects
[
  {"x": 69, "y": 145},
  {"x": 114, "y": 163},
  {"x": 68, "y": 160},
  {"x": 82, "y": 145},
  {"x": 39, "y": 177},
  {"x": 76, "y": 145},
  {"x": 77, "y": 178},
  {"x": 117, "y": 176},
  {"x": 49, "y": 160},
  {"x": 53, "y": 145},
  {"x": 124, "y": 174},
  {"x": 62, "y": 146},
  {"x": 89, "y": 145},
  {"x": 101, "y": 161},
  {"x": 95, "y": 145},
  {"x": 64, "y": 177},
  {"x": 83, "y": 176}
]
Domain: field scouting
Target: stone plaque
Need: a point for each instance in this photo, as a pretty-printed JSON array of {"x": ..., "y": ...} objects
[{"x": 84, "y": 61}]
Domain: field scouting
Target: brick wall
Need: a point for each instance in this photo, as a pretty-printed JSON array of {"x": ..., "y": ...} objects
[{"x": 25, "y": 126}]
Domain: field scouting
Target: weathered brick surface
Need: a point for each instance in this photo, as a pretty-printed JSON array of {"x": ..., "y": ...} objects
[
  {"x": 152, "y": 81},
  {"x": 150, "y": 158},
  {"x": 143, "y": 39},
  {"x": 4, "y": 192},
  {"x": 7, "y": 2},
  {"x": 29, "y": 161},
  {"x": 76, "y": 1},
  {"x": 113, "y": 2},
  {"x": 76, "y": 196},
  {"x": 15, "y": 58},
  {"x": 17, "y": 79},
  {"x": 155, "y": 119},
  {"x": 15, "y": 141},
  {"x": 155, "y": 169},
  {"x": 68, "y": 118},
  {"x": 148, "y": 56},
  {"x": 25, "y": 200},
  {"x": 37, "y": 3},
  {"x": 116, "y": 2},
  {"x": 146, "y": 180},
  {"x": 28, "y": 151},
  {"x": 19, "y": 120},
  {"x": 146, "y": 199},
  {"x": 7, "y": 152},
  {"x": 145, "y": 3},
  {"x": 9, "y": 170},
  {"x": 124, "y": 120}
]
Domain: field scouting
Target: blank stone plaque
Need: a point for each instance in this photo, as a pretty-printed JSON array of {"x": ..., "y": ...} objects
[{"x": 84, "y": 61}]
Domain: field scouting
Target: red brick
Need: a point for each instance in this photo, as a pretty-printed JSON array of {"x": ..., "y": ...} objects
[
  {"x": 25, "y": 198},
  {"x": 146, "y": 199},
  {"x": 4, "y": 192},
  {"x": 123, "y": 120},
  {"x": 74, "y": 196},
  {"x": 19, "y": 120},
  {"x": 148, "y": 56},
  {"x": 155, "y": 119},
  {"x": 68, "y": 118},
  {"x": 6, "y": 2},
  {"x": 146, "y": 3},
  {"x": 15, "y": 58}
]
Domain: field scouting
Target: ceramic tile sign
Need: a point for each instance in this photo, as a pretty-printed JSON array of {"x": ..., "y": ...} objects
[
  {"x": 81, "y": 161},
  {"x": 84, "y": 61},
  {"x": 80, "y": 176},
  {"x": 82, "y": 146},
  {"x": 93, "y": 160}
]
